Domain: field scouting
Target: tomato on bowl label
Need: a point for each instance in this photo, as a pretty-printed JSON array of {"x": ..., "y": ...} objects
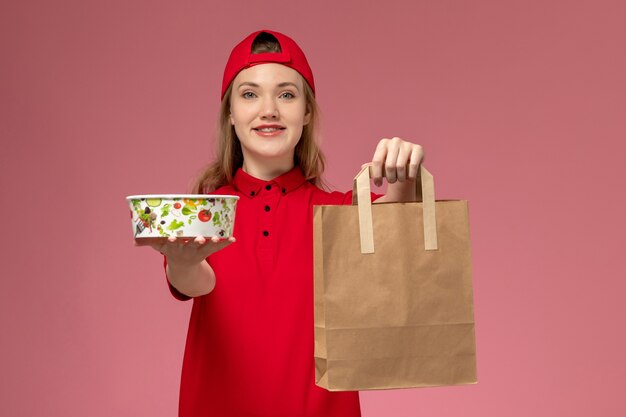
[{"x": 204, "y": 215}]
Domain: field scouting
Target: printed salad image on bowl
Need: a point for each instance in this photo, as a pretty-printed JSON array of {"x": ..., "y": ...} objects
[{"x": 182, "y": 215}]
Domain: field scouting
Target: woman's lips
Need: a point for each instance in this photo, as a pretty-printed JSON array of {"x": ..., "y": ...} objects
[{"x": 269, "y": 132}]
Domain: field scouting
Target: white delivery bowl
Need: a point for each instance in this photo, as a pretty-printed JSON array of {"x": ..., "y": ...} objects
[{"x": 182, "y": 215}]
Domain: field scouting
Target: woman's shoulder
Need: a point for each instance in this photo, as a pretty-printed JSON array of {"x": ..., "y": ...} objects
[
  {"x": 329, "y": 197},
  {"x": 338, "y": 197},
  {"x": 227, "y": 189}
]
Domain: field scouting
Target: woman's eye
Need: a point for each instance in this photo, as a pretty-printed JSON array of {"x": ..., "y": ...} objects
[
  {"x": 248, "y": 94},
  {"x": 287, "y": 94}
]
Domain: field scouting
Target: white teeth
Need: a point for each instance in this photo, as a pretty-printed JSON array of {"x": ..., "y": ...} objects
[{"x": 268, "y": 129}]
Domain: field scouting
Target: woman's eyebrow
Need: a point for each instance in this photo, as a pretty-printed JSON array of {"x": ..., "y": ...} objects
[
  {"x": 251, "y": 84},
  {"x": 286, "y": 84},
  {"x": 281, "y": 85}
]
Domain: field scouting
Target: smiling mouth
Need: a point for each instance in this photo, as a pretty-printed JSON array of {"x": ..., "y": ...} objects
[{"x": 269, "y": 129}]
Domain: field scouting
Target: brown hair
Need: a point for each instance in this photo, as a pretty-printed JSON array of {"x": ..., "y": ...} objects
[{"x": 229, "y": 156}]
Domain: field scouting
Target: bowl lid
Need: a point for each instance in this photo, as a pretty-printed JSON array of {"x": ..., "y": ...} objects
[{"x": 179, "y": 196}]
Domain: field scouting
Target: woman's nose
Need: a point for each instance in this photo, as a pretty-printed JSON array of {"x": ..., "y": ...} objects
[{"x": 269, "y": 110}]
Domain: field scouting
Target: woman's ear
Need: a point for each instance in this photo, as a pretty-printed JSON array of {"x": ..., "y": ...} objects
[{"x": 307, "y": 116}]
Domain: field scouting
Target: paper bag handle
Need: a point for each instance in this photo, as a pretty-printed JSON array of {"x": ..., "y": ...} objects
[{"x": 424, "y": 191}]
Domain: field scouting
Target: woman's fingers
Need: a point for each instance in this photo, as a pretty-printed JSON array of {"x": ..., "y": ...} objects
[
  {"x": 215, "y": 244},
  {"x": 199, "y": 240},
  {"x": 391, "y": 162},
  {"x": 404, "y": 154},
  {"x": 154, "y": 244},
  {"x": 185, "y": 250},
  {"x": 399, "y": 158},
  {"x": 198, "y": 248},
  {"x": 417, "y": 156},
  {"x": 380, "y": 155}
]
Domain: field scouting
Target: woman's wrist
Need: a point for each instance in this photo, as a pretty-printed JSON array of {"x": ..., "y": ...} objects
[{"x": 191, "y": 279}]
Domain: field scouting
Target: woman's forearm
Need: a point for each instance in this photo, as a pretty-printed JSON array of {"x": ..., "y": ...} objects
[{"x": 193, "y": 281}]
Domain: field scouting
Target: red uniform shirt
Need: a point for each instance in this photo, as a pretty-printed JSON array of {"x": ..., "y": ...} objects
[{"x": 249, "y": 347}]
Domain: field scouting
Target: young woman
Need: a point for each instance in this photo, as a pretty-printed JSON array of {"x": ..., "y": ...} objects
[{"x": 249, "y": 348}]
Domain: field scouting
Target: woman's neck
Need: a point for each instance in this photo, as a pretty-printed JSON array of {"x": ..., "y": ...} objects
[{"x": 266, "y": 172}]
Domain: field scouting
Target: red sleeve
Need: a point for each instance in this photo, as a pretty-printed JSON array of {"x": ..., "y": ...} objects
[
  {"x": 177, "y": 294},
  {"x": 347, "y": 199}
]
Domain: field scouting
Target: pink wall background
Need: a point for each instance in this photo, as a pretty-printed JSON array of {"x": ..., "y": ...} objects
[{"x": 520, "y": 106}]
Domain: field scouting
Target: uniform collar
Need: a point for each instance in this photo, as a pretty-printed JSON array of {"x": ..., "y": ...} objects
[{"x": 251, "y": 186}]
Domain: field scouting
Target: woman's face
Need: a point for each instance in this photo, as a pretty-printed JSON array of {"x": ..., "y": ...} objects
[{"x": 268, "y": 110}]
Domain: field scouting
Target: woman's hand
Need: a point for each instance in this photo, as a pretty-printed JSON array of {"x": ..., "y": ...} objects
[
  {"x": 186, "y": 252},
  {"x": 396, "y": 156},
  {"x": 187, "y": 269},
  {"x": 398, "y": 161}
]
